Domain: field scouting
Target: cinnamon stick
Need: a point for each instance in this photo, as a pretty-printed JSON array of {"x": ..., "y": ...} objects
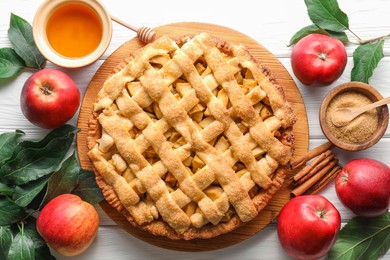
[
  {"x": 299, "y": 190},
  {"x": 326, "y": 180},
  {"x": 317, "y": 168},
  {"x": 310, "y": 155},
  {"x": 311, "y": 165}
]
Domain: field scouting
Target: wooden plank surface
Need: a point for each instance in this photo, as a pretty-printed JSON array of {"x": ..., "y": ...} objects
[
  {"x": 262, "y": 55},
  {"x": 272, "y": 24}
]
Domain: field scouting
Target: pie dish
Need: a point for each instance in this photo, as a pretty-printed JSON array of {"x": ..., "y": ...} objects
[{"x": 190, "y": 138}]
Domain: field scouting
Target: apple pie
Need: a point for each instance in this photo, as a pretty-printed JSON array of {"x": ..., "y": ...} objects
[{"x": 191, "y": 137}]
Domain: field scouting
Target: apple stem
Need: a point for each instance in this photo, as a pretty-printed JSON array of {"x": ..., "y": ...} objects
[
  {"x": 344, "y": 176},
  {"x": 321, "y": 213},
  {"x": 322, "y": 56},
  {"x": 45, "y": 90}
]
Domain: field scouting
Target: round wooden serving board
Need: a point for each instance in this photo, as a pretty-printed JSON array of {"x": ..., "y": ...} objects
[{"x": 293, "y": 95}]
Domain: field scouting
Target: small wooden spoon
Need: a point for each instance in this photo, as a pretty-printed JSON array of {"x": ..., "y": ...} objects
[
  {"x": 343, "y": 116},
  {"x": 145, "y": 34}
]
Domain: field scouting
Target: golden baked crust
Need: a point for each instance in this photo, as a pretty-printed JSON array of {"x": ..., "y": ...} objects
[{"x": 190, "y": 138}]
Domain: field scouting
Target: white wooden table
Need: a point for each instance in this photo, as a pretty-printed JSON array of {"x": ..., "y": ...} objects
[{"x": 272, "y": 24}]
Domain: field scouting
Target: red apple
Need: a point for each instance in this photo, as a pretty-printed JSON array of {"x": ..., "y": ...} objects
[
  {"x": 318, "y": 60},
  {"x": 363, "y": 186},
  {"x": 49, "y": 98},
  {"x": 308, "y": 226},
  {"x": 68, "y": 224}
]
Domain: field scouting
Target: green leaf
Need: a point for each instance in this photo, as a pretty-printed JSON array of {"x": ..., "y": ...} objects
[
  {"x": 10, "y": 212},
  {"x": 8, "y": 142},
  {"x": 37, "y": 201},
  {"x": 26, "y": 193},
  {"x": 304, "y": 32},
  {"x": 33, "y": 160},
  {"x": 53, "y": 134},
  {"x": 87, "y": 188},
  {"x": 10, "y": 63},
  {"x": 310, "y": 29},
  {"x": 5, "y": 190},
  {"x": 341, "y": 36},
  {"x": 42, "y": 250},
  {"x": 363, "y": 238},
  {"x": 21, "y": 37},
  {"x": 327, "y": 15},
  {"x": 22, "y": 247},
  {"x": 64, "y": 180},
  {"x": 366, "y": 58},
  {"x": 70, "y": 178},
  {"x": 5, "y": 241}
]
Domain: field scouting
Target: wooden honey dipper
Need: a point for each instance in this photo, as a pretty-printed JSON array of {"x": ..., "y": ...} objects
[{"x": 145, "y": 34}]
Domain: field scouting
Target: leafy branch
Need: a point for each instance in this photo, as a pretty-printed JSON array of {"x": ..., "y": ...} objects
[
  {"x": 24, "y": 53},
  {"x": 329, "y": 19},
  {"x": 373, "y": 40},
  {"x": 31, "y": 174}
]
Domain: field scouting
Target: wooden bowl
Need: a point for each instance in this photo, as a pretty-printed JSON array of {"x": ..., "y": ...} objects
[{"x": 382, "y": 112}]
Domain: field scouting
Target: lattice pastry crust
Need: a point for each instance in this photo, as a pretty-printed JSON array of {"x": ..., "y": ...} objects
[{"x": 190, "y": 138}]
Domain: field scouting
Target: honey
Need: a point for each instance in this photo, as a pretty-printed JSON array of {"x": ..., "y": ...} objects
[{"x": 74, "y": 30}]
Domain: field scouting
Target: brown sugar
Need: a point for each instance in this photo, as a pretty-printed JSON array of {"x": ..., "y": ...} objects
[{"x": 360, "y": 128}]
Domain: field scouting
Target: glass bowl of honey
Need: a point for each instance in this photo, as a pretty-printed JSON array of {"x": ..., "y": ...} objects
[{"x": 72, "y": 33}]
